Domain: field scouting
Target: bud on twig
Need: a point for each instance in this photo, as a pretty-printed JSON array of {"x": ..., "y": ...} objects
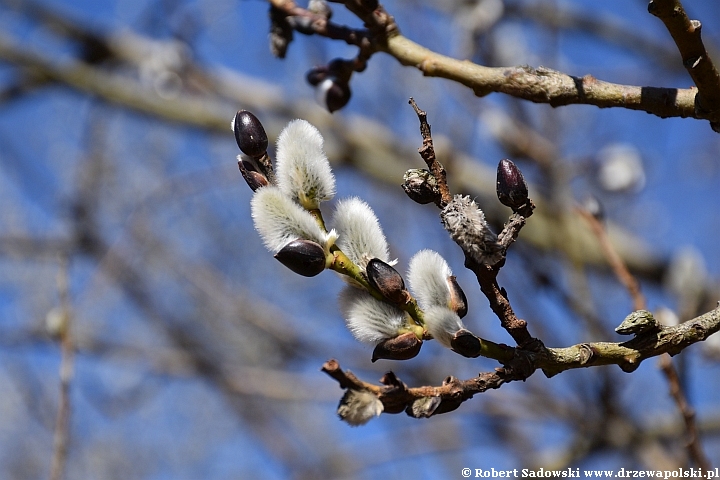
[
  {"x": 332, "y": 83},
  {"x": 249, "y": 134},
  {"x": 303, "y": 257},
  {"x": 639, "y": 321},
  {"x": 512, "y": 191},
  {"x": 386, "y": 280},
  {"x": 421, "y": 186},
  {"x": 402, "y": 347}
]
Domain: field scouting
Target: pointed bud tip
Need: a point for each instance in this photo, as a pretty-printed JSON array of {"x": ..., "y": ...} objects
[
  {"x": 512, "y": 190},
  {"x": 249, "y": 134},
  {"x": 303, "y": 257}
]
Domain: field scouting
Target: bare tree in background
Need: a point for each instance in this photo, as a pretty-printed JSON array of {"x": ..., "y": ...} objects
[{"x": 184, "y": 350}]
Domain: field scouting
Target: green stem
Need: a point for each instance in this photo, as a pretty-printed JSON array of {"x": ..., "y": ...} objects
[{"x": 315, "y": 212}]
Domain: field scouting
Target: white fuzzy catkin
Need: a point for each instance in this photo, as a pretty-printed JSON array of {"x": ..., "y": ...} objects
[
  {"x": 442, "y": 323},
  {"x": 370, "y": 320},
  {"x": 358, "y": 407},
  {"x": 279, "y": 220},
  {"x": 302, "y": 169},
  {"x": 361, "y": 237},
  {"x": 427, "y": 277},
  {"x": 466, "y": 223}
]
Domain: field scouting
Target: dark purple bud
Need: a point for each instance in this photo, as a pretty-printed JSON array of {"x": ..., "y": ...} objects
[
  {"x": 402, "y": 347},
  {"x": 333, "y": 94},
  {"x": 512, "y": 191},
  {"x": 250, "y": 134},
  {"x": 303, "y": 257},
  {"x": 421, "y": 186},
  {"x": 386, "y": 280},
  {"x": 458, "y": 301},
  {"x": 466, "y": 344},
  {"x": 317, "y": 75}
]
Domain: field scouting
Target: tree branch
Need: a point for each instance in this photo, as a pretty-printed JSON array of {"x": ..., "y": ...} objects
[
  {"x": 62, "y": 421},
  {"x": 695, "y": 58},
  {"x": 538, "y": 85},
  {"x": 486, "y": 273},
  {"x": 396, "y": 397}
]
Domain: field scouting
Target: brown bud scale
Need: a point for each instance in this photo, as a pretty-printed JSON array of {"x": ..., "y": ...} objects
[
  {"x": 466, "y": 344},
  {"x": 386, "y": 280},
  {"x": 303, "y": 257},
  {"x": 458, "y": 300},
  {"x": 402, "y": 347}
]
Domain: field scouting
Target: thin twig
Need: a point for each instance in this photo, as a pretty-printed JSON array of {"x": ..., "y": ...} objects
[
  {"x": 427, "y": 152},
  {"x": 62, "y": 422},
  {"x": 665, "y": 363},
  {"x": 695, "y": 58},
  {"x": 486, "y": 274},
  {"x": 694, "y": 444},
  {"x": 616, "y": 263}
]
